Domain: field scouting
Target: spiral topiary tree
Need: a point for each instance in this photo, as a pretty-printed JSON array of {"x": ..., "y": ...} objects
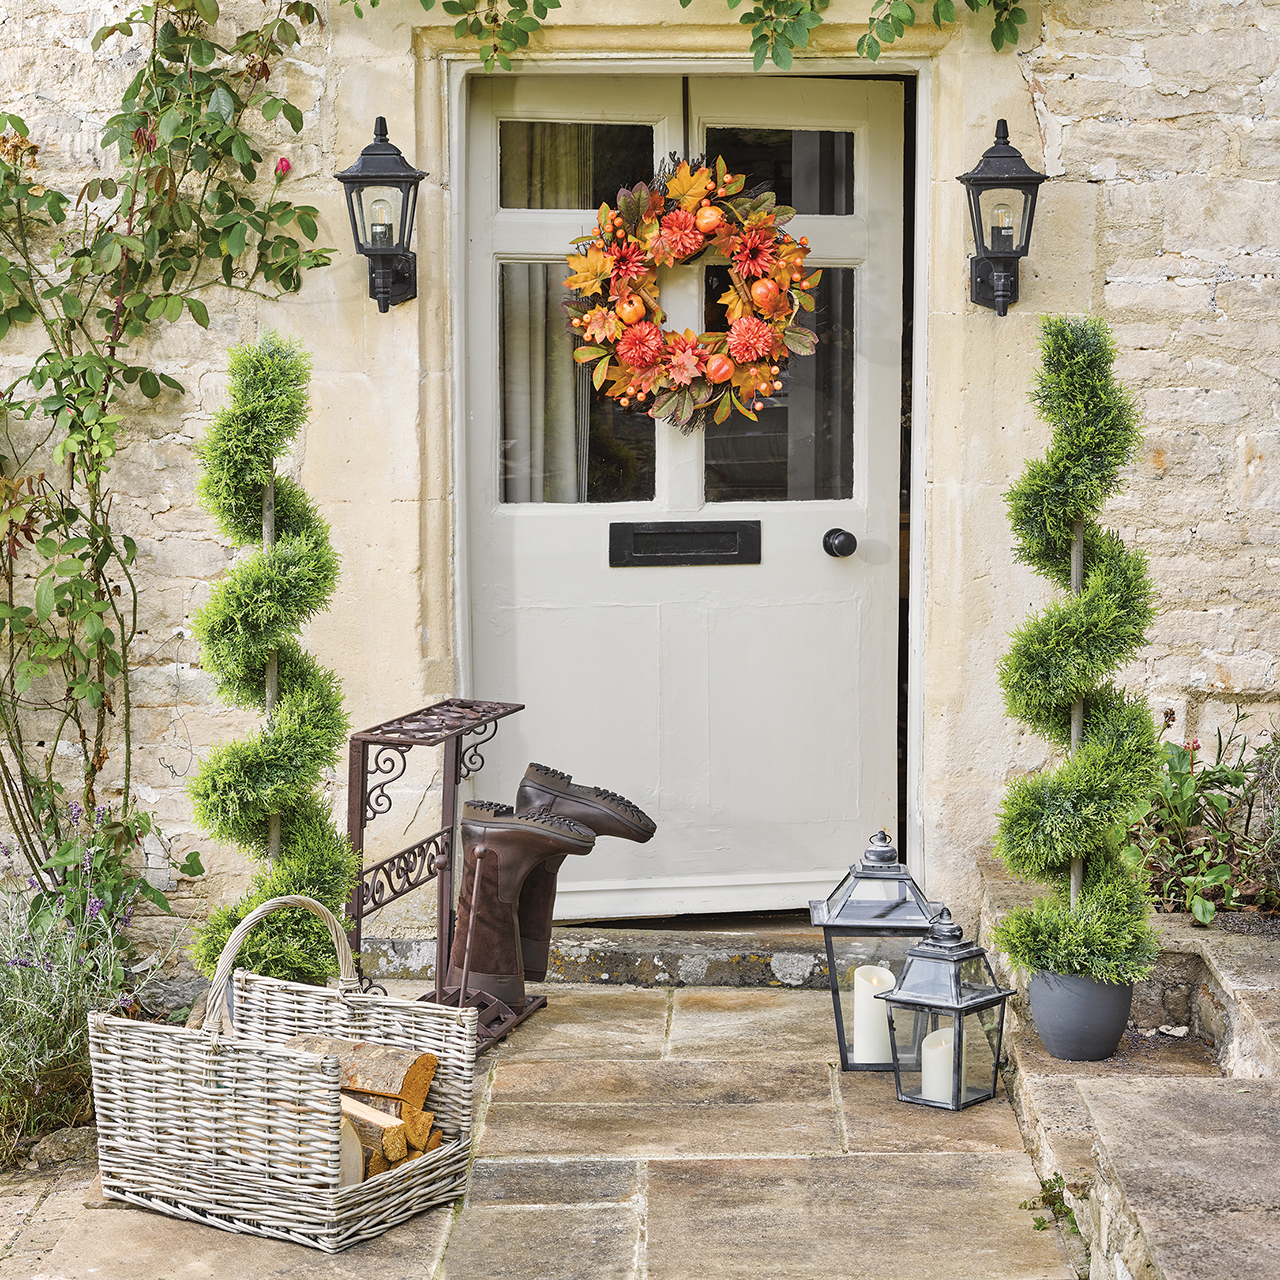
[
  {"x": 262, "y": 793},
  {"x": 1062, "y": 825}
]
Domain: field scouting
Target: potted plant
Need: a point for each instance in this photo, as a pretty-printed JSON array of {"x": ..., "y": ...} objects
[{"x": 1088, "y": 942}]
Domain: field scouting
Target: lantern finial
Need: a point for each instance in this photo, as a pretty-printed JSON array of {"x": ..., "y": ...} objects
[{"x": 380, "y": 129}]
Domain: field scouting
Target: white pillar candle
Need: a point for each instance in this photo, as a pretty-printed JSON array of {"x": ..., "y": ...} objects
[
  {"x": 870, "y": 1017},
  {"x": 937, "y": 1061},
  {"x": 937, "y": 1066}
]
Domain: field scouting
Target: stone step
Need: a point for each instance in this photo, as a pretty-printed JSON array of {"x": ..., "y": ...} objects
[
  {"x": 770, "y": 950},
  {"x": 1188, "y": 1185}
]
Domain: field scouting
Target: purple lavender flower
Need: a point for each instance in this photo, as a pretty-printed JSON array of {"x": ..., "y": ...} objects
[
  {"x": 95, "y": 908},
  {"x": 86, "y": 862},
  {"x": 33, "y": 882},
  {"x": 100, "y": 816},
  {"x": 75, "y": 812}
]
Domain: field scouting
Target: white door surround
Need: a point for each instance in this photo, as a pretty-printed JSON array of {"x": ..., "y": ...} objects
[{"x": 459, "y": 73}]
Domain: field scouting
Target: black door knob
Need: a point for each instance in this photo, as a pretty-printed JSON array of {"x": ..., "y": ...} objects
[{"x": 839, "y": 542}]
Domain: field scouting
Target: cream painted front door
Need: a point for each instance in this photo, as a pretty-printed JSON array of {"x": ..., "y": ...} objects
[{"x": 750, "y": 708}]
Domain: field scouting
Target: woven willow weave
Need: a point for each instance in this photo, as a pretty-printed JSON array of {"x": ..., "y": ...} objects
[{"x": 238, "y": 1132}]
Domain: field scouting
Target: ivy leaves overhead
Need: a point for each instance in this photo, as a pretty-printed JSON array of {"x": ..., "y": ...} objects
[{"x": 778, "y": 27}]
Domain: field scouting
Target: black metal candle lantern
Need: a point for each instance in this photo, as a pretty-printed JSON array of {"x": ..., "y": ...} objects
[
  {"x": 382, "y": 197},
  {"x": 877, "y": 899},
  {"x": 1002, "y": 191},
  {"x": 946, "y": 1021}
]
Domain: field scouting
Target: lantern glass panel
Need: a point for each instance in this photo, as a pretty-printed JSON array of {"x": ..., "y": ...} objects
[
  {"x": 1003, "y": 216},
  {"x": 976, "y": 979},
  {"x": 926, "y": 1058},
  {"x": 981, "y": 1046},
  {"x": 929, "y": 981},
  {"x": 378, "y": 213},
  {"x": 861, "y": 968}
]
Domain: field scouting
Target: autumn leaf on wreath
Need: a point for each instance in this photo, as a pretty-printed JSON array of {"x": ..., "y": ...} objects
[
  {"x": 585, "y": 354},
  {"x": 688, "y": 188},
  {"x": 733, "y": 303},
  {"x": 589, "y": 269},
  {"x": 601, "y": 325}
]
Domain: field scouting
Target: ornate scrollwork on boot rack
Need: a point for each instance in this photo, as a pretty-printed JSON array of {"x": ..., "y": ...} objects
[
  {"x": 391, "y": 761},
  {"x": 403, "y": 872},
  {"x": 470, "y": 760},
  {"x": 377, "y": 757}
]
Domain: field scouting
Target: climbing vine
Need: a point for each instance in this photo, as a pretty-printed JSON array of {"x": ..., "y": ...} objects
[
  {"x": 262, "y": 792},
  {"x": 96, "y": 272}
]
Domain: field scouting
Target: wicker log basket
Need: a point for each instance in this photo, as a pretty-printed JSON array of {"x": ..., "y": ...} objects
[{"x": 239, "y": 1132}]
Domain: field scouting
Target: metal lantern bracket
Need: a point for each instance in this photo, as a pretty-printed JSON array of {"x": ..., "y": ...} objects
[
  {"x": 993, "y": 269},
  {"x": 378, "y": 757}
]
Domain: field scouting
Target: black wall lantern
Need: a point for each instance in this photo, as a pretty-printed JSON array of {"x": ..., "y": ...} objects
[
  {"x": 877, "y": 899},
  {"x": 946, "y": 1021},
  {"x": 382, "y": 197},
  {"x": 1002, "y": 205}
]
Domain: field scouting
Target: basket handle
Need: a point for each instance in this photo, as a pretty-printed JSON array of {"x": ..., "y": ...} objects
[{"x": 348, "y": 979}]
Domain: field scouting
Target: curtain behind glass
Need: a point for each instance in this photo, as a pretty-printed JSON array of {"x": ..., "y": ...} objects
[{"x": 544, "y": 427}]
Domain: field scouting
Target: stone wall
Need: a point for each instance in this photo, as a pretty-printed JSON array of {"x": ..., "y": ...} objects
[{"x": 1157, "y": 124}]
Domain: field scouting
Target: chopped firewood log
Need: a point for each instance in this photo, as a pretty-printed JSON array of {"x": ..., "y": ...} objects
[
  {"x": 375, "y": 1068},
  {"x": 351, "y": 1155},
  {"x": 374, "y": 1163},
  {"x": 378, "y": 1131},
  {"x": 417, "y": 1124},
  {"x": 437, "y": 1137}
]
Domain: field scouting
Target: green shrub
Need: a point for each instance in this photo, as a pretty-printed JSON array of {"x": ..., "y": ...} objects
[
  {"x": 252, "y": 618},
  {"x": 1058, "y": 670}
]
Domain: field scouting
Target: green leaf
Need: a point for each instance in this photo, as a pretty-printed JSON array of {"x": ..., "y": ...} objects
[
  {"x": 236, "y": 239},
  {"x": 782, "y": 55},
  {"x": 293, "y": 116},
  {"x": 149, "y": 385},
  {"x": 199, "y": 312},
  {"x": 1203, "y": 909},
  {"x": 208, "y": 10},
  {"x": 308, "y": 226},
  {"x": 222, "y": 105},
  {"x": 44, "y": 599},
  {"x": 192, "y": 865}
]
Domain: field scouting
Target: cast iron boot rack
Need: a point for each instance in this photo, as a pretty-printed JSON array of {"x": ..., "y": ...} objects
[{"x": 378, "y": 757}]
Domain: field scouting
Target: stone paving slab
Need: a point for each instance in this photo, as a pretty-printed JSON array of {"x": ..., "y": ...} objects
[
  {"x": 937, "y": 1217},
  {"x": 133, "y": 1244},
  {"x": 726, "y": 1024},
  {"x": 1193, "y": 1163},
  {"x": 589, "y": 1023},
  {"x": 875, "y": 1121}
]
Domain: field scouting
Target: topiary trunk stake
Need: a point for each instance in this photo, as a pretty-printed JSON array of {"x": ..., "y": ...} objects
[{"x": 263, "y": 792}]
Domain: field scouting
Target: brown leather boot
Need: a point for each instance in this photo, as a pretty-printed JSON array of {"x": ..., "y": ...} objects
[
  {"x": 507, "y": 847},
  {"x": 605, "y": 812}
]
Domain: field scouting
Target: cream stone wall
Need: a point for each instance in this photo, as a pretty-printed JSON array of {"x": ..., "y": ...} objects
[{"x": 1158, "y": 126}]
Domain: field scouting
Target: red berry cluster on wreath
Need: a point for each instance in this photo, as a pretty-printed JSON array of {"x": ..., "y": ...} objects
[{"x": 687, "y": 376}]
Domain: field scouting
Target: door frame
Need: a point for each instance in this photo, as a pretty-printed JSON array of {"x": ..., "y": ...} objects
[{"x": 459, "y": 70}]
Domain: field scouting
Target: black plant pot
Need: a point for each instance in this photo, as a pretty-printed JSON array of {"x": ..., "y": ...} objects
[{"x": 1079, "y": 1019}]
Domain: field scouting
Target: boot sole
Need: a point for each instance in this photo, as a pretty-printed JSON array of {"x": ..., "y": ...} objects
[
  {"x": 554, "y": 789},
  {"x": 487, "y": 814}
]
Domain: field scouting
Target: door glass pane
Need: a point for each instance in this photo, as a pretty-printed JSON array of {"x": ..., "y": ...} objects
[
  {"x": 561, "y": 440},
  {"x": 554, "y": 165},
  {"x": 808, "y": 169},
  {"x": 801, "y": 447}
]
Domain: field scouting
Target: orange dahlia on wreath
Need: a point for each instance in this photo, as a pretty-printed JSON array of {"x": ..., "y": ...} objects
[
  {"x": 750, "y": 339},
  {"x": 684, "y": 212}
]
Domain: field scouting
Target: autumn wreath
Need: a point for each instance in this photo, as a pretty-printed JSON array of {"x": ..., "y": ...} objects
[{"x": 686, "y": 376}]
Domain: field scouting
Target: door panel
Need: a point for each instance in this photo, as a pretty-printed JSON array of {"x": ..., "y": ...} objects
[{"x": 750, "y": 709}]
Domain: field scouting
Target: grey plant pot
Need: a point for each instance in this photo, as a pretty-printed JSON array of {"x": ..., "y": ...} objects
[{"x": 1079, "y": 1019}]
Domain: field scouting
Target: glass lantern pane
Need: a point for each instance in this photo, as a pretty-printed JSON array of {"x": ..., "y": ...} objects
[
  {"x": 378, "y": 216},
  {"x": 928, "y": 981},
  {"x": 861, "y": 969},
  {"x": 925, "y": 1043},
  {"x": 1002, "y": 212},
  {"x": 975, "y": 979},
  {"x": 981, "y": 1046}
]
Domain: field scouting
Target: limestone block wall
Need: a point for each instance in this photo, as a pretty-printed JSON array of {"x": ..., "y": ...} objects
[{"x": 1159, "y": 127}]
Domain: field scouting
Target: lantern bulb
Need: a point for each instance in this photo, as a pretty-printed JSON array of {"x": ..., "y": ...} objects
[
  {"x": 1002, "y": 229},
  {"x": 380, "y": 225}
]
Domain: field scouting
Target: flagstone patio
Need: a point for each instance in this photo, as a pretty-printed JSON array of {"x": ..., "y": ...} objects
[{"x": 664, "y": 1134}]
